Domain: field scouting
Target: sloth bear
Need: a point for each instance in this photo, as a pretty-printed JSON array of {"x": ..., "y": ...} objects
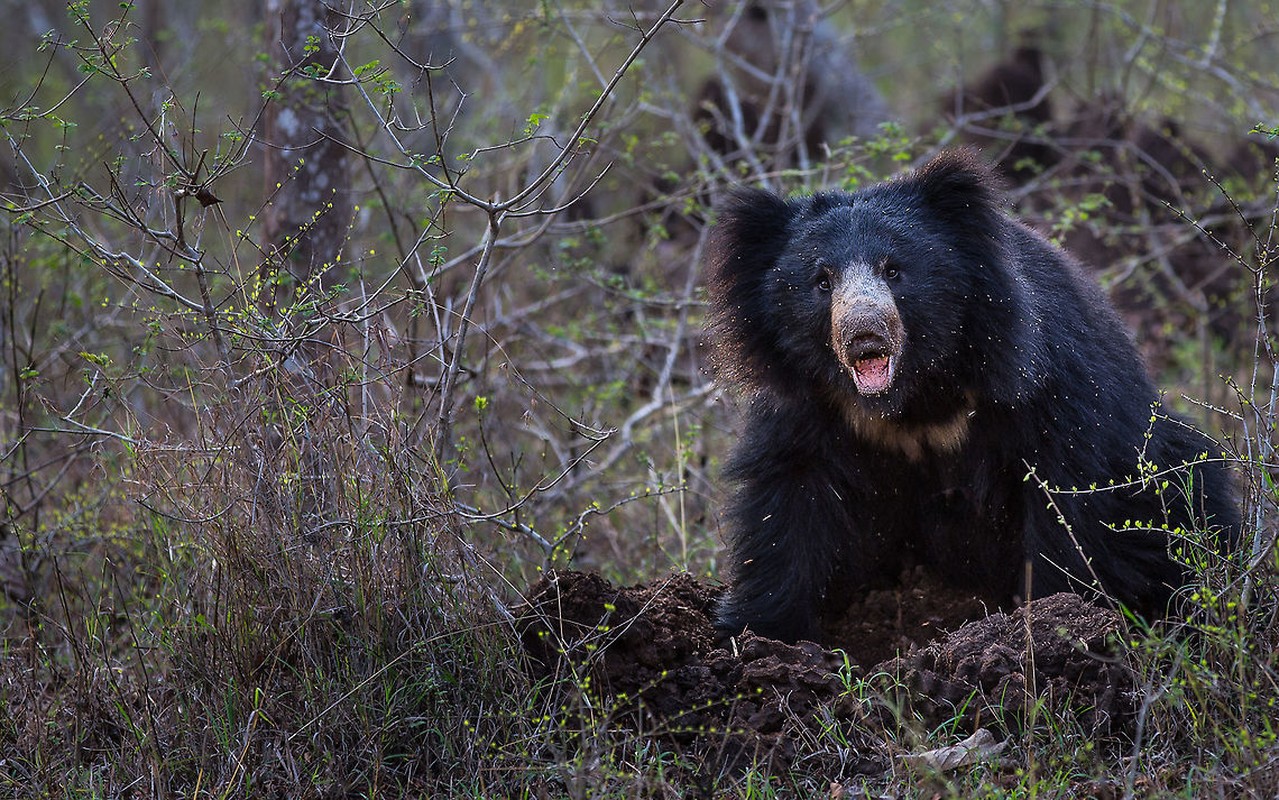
[{"x": 927, "y": 381}]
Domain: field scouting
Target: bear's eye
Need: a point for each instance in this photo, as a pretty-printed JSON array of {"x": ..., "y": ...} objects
[
  {"x": 823, "y": 282},
  {"x": 891, "y": 273}
]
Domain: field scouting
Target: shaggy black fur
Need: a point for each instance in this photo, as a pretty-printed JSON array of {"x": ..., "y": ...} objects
[{"x": 916, "y": 366}]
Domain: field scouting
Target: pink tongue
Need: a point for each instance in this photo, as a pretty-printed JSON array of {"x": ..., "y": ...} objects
[{"x": 871, "y": 375}]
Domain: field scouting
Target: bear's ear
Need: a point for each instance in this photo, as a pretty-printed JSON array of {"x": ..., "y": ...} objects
[
  {"x": 751, "y": 219},
  {"x": 750, "y": 235},
  {"x": 751, "y": 232},
  {"x": 958, "y": 186}
]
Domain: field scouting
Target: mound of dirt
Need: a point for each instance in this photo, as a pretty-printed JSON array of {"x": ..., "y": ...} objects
[
  {"x": 986, "y": 674},
  {"x": 653, "y": 649},
  {"x": 654, "y": 646}
]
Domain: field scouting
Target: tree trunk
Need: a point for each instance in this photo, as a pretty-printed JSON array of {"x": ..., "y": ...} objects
[
  {"x": 309, "y": 203},
  {"x": 306, "y": 219}
]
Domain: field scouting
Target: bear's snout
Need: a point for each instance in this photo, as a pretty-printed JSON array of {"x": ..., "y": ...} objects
[
  {"x": 867, "y": 345},
  {"x": 868, "y": 342}
]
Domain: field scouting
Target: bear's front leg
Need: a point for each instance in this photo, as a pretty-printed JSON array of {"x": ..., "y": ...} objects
[{"x": 787, "y": 529}]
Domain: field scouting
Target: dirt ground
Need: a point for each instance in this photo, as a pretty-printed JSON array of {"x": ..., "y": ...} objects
[{"x": 919, "y": 655}]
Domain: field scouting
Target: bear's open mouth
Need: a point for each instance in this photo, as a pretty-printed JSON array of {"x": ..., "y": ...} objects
[{"x": 873, "y": 374}]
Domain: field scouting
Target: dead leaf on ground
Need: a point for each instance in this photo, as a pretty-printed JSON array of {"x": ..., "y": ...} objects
[{"x": 979, "y": 747}]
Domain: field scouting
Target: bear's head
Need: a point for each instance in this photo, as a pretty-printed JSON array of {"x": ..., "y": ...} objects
[{"x": 890, "y": 299}]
